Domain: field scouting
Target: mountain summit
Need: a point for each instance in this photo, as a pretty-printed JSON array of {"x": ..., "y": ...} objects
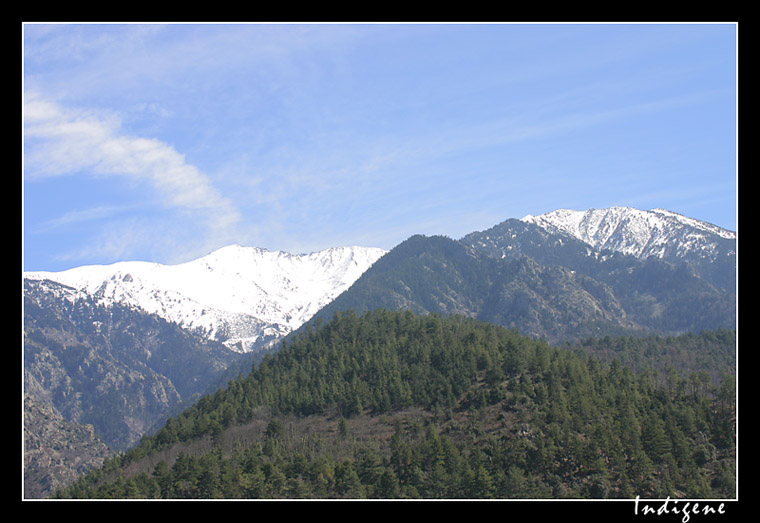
[
  {"x": 564, "y": 275},
  {"x": 248, "y": 297},
  {"x": 660, "y": 233},
  {"x": 244, "y": 297}
]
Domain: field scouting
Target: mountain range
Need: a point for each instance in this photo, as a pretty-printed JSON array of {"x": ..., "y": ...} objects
[
  {"x": 248, "y": 298},
  {"x": 244, "y": 297},
  {"x": 121, "y": 347},
  {"x": 564, "y": 275}
]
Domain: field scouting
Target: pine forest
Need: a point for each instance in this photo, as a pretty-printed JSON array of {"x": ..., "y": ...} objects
[{"x": 395, "y": 405}]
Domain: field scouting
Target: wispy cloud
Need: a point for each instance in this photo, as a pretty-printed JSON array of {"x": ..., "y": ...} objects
[
  {"x": 79, "y": 216},
  {"x": 61, "y": 141}
]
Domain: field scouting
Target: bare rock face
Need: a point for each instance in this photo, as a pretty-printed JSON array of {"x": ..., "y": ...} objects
[
  {"x": 56, "y": 451},
  {"x": 110, "y": 371}
]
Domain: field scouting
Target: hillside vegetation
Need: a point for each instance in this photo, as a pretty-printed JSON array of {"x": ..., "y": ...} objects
[{"x": 397, "y": 405}]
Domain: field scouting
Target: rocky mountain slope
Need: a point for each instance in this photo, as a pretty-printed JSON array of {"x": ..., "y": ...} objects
[
  {"x": 56, "y": 451},
  {"x": 118, "y": 369},
  {"x": 244, "y": 297},
  {"x": 551, "y": 283}
]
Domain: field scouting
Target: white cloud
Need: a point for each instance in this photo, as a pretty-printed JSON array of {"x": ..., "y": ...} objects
[{"x": 60, "y": 141}]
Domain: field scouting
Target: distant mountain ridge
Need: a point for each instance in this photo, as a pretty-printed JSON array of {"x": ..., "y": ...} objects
[
  {"x": 565, "y": 275},
  {"x": 248, "y": 297},
  {"x": 245, "y": 297},
  {"x": 660, "y": 233}
]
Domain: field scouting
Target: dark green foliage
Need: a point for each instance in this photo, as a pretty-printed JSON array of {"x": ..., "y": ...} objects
[
  {"x": 395, "y": 405},
  {"x": 670, "y": 357}
]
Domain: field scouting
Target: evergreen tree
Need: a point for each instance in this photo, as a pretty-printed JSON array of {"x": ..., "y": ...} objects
[{"x": 450, "y": 408}]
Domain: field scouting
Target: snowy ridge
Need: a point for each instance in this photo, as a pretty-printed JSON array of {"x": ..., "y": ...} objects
[
  {"x": 242, "y": 296},
  {"x": 639, "y": 233}
]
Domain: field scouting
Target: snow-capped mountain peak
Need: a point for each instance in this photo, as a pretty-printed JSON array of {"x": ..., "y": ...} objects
[
  {"x": 658, "y": 232},
  {"x": 243, "y": 296}
]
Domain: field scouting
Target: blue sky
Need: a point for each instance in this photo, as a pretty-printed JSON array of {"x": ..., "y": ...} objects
[{"x": 163, "y": 142}]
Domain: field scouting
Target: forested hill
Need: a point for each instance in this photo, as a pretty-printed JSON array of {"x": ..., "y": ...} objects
[{"x": 397, "y": 405}]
